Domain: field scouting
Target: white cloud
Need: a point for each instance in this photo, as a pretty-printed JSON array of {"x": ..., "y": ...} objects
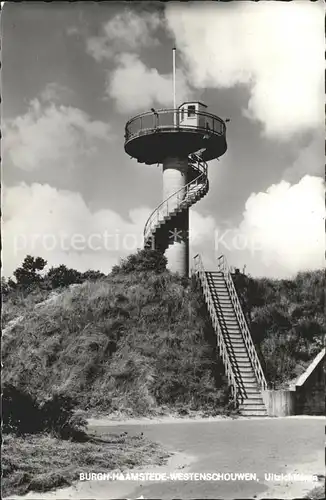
[
  {"x": 49, "y": 136},
  {"x": 282, "y": 230},
  {"x": 58, "y": 225},
  {"x": 55, "y": 92},
  {"x": 126, "y": 30},
  {"x": 135, "y": 87},
  {"x": 276, "y": 48}
]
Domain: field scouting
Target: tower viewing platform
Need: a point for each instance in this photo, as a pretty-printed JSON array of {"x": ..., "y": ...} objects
[
  {"x": 152, "y": 136},
  {"x": 183, "y": 140}
]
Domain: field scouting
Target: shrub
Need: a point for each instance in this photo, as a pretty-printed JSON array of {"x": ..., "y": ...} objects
[
  {"x": 22, "y": 414},
  {"x": 58, "y": 418},
  {"x": 143, "y": 260},
  {"x": 61, "y": 276}
]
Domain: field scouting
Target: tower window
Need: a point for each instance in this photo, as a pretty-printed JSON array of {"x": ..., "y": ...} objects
[{"x": 191, "y": 110}]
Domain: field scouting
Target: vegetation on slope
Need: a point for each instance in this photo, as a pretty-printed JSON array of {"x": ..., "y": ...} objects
[
  {"x": 134, "y": 342},
  {"x": 287, "y": 321}
]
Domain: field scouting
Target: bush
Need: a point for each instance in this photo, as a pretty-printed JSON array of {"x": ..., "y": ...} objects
[
  {"x": 22, "y": 414},
  {"x": 61, "y": 276},
  {"x": 58, "y": 417},
  {"x": 143, "y": 260}
]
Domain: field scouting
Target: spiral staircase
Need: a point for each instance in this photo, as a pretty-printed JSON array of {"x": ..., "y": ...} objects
[{"x": 159, "y": 231}]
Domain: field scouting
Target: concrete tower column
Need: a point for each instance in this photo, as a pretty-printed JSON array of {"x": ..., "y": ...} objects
[{"x": 175, "y": 178}]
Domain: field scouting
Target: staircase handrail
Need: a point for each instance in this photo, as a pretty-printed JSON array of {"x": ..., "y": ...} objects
[
  {"x": 200, "y": 271},
  {"x": 201, "y": 180},
  {"x": 224, "y": 268}
]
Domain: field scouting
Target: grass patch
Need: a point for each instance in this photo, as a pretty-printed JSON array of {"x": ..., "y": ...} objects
[
  {"x": 317, "y": 493},
  {"x": 21, "y": 303},
  {"x": 42, "y": 463}
]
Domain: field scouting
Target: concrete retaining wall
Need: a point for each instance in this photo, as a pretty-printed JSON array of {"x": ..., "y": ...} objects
[{"x": 279, "y": 403}]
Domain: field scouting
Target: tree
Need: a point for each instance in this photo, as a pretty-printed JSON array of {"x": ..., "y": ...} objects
[
  {"x": 62, "y": 276},
  {"x": 29, "y": 273}
]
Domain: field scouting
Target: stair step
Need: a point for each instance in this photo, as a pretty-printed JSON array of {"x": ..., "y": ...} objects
[
  {"x": 240, "y": 352},
  {"x": 222, "y": 297},
  {"x": 253, "y": 399},
  {"x": 260, "y": 410},
  {"x": 253, "y": 406},
  {"x": 242, "y": 364},
  {"x": 227, "y": 313},
  {"x": 243, "y": 367},
  {"x": 241, "y": 356},
  {"x": 253, "y": 413}
]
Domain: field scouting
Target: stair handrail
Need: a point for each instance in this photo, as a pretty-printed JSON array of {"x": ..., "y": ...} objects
[
  {"x": 200, "y": 272},
  {"x": 201, "y": 180},
  {"x": 224, "y": 268}
]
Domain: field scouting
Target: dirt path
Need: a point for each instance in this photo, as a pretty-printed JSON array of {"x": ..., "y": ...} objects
[{"x": 283, "y": 445}]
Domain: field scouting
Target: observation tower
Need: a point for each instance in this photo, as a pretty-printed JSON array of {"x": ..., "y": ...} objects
[{"x": 182, "y": 139}]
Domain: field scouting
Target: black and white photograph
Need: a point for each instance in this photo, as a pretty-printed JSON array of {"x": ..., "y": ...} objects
[{"x": 163, "y": 250}]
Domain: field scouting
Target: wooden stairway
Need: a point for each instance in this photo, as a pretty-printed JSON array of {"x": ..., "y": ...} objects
[{"x": 232, "y": 331}]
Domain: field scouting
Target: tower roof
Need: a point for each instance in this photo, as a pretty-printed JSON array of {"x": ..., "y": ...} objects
[{"x": 193, "y": 102}]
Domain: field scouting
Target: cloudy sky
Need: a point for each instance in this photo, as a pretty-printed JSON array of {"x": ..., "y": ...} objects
[{"x": 74, "y": 73}]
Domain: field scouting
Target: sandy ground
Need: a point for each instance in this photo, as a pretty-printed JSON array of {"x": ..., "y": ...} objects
[
  {"x": 283, "y": 445},
  {"x": 170, "y": 419}
]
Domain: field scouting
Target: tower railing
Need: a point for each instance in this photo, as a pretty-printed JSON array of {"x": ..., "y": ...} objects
[
  {"x": 169, "y": 119},
  {"x": 255, "y": 363},
  {"x": 235, "y": 390},
  {"x": 181, "y": 198}
]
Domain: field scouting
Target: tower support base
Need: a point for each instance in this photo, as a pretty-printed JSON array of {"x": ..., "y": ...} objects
[{"x": 175, "y": 178}]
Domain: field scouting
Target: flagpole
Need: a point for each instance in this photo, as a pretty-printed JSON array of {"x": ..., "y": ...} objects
[{"x": 174, "y": 92}]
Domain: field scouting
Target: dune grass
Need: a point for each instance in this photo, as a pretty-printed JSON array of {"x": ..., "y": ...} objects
[
  {"x": 129, "y": 343},
  {"x": 42, "y": 463},
  {"x": 20, "y": 303}
]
